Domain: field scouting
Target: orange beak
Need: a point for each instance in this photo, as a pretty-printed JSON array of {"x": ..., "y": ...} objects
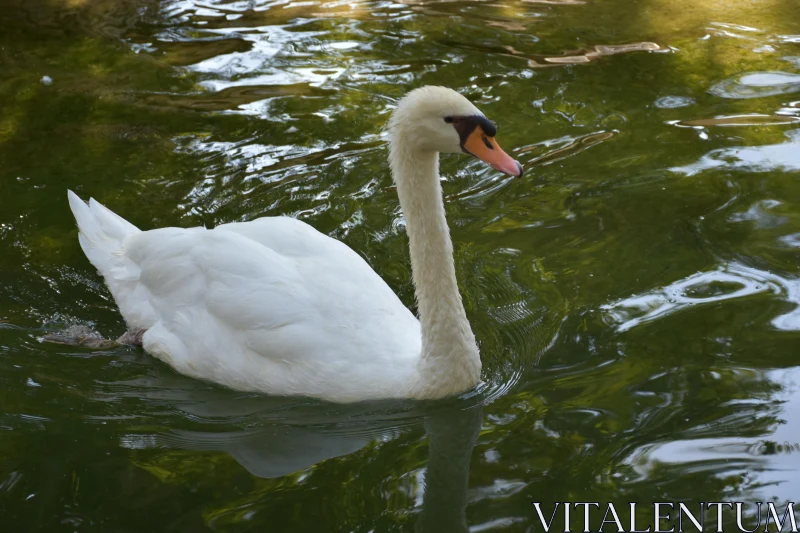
[{"x": 487, "y": 150}]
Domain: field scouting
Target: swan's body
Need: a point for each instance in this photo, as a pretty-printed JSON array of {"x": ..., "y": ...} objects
[{"x": 275, "y": 306}]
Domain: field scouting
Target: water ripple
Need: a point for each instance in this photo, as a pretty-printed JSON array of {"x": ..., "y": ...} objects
[
  {"x": 570, "y": 147},
  {"x": 785, "y": 156},
  {"x": 188, "y": 112},
  {"x": 737, "y": 120},
  {"x": 674, "y": 102},
  {"x": 758, "y": 85},
  {"x": 727, "y": 282},
  {"x": 773, "y": 462}
]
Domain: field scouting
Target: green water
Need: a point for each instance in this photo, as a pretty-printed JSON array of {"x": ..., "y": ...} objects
[{"x": 636, "y": 296}]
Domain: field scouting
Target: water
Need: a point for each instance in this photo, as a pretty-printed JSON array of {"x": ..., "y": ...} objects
[{"x": 636, "y": 296}]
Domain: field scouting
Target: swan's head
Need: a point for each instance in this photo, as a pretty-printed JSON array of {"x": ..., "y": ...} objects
[{"x": 441, "y": 120}]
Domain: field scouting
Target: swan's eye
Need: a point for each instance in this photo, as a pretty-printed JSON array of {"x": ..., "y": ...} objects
[{"x": 449, "y": 120}]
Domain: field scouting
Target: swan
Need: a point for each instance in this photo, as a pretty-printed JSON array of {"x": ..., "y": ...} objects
[{"x": 274, "y": 306}]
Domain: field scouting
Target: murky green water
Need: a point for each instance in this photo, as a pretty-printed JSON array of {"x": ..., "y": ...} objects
[{"x": 636, "y": 297}]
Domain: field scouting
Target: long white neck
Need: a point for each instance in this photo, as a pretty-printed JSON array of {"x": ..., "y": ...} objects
[{"x": 450, "y": 362}]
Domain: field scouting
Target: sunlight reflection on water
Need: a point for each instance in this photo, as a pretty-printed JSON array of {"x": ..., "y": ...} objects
[
  {"x": 784, "y": 156},
  {"x": 758, "y": 85},
  {"x": 770, "y": 464},
  {"x": 728, "y": 281}
]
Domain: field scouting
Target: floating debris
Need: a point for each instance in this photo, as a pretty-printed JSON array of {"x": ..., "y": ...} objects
[
  {"x": 587, "y": 55},
  {"x": 581, "y": 56}
]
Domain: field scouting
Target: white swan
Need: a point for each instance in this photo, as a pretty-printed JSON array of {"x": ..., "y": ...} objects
[{"x": 275, "y": 306}]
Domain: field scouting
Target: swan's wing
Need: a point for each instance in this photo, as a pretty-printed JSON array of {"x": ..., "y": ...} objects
[
  {"x": 226, "y": 290},
  {"x": 337, "y": 277},
  {"x": 245, "y": 284},
  {"x": 287, "y": 236}
]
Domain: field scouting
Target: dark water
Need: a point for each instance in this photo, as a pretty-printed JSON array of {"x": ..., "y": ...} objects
[{"x": 636, "y": 298}]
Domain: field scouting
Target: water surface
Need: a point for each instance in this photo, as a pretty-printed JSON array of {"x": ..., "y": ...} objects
[{"x": 636, "y": 297}]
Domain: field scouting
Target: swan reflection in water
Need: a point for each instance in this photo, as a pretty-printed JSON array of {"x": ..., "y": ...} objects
[
  {"x": 293, "y": 435},
  {"x": 452, "y": 435}
]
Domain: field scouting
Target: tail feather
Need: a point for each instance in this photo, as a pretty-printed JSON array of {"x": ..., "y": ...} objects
[
  {"x": 102, "y": 237},
  {"x": 102, "y": 233},
  {"x": 95, "y": 219}
]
